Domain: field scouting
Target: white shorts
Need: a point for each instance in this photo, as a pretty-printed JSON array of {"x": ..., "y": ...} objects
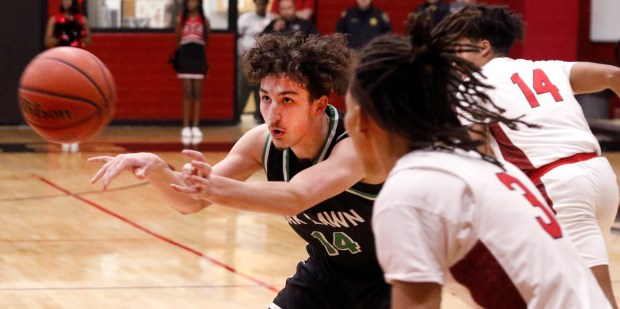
[{"x": 585, "y": 198}]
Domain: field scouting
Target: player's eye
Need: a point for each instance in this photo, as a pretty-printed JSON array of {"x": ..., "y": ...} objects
[{"x": 287, "y": 100}]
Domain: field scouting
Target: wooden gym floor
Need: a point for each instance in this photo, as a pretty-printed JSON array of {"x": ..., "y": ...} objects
[{"x": 65, "y": 244}]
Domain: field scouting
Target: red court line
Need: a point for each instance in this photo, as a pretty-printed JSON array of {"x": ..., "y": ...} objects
[{"x": 161, "y": 237}]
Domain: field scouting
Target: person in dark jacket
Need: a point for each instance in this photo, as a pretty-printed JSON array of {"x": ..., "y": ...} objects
[
  {"x": 288, "y": 22},
  {"x": 362, "y": 23}
]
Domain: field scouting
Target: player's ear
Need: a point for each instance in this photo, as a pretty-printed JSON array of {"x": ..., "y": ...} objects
[
  {"x": 320, "y": 105},
  {"x": 486, "y": 48}
]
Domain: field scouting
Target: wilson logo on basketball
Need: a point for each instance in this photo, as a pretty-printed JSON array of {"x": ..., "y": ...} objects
[{"x": 35, "y": 110}]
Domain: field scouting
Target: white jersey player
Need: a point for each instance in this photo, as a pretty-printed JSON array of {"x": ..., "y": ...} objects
[
  {"x": 446, "y": 212},
  {"x": 561, "y": 155},
  {"x": 446, "y": 209}
]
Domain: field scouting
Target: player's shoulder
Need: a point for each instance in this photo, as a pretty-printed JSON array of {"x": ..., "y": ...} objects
[
  {"x": 558, "y": 65},
  {"x": 458, "y": 163},
  {"x": 423, "y": 171},
  {"x": 527, "y": 64}
]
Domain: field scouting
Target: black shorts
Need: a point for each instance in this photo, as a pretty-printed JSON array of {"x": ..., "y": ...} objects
[
  {"x": 192, "y": 61},
  {"x": 316, "y": 285}
]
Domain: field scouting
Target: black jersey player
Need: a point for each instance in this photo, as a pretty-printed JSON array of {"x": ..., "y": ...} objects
[{"x": 314, "y": 176}]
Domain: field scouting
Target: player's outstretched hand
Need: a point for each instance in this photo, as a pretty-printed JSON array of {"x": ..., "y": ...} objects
[
  {"x": 195, "y": 175},
  {"x": 138, "y": 163},
  {"x": 189, "y": 169}
]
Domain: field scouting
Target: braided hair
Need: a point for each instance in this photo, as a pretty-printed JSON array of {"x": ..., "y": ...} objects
[
  {"x": 497, "y": 24},
  {"x": 414, "y": 87}
]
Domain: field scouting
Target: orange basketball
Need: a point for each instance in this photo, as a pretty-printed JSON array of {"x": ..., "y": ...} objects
[{"x": 66, "y": 95}]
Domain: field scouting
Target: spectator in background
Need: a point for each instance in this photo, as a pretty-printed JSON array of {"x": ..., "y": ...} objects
[
  {"x": 248, "y": 26},
  {"x": 437, "y": 10},
  {"x": 459, "y": 4},
  {"x": 192, "y": 34},
  {"x": 288, "y": 22},
  {"x": 68, "y": 27},
  {"x": 362, "y": 23},
  {"x": 304, "y": 9}
]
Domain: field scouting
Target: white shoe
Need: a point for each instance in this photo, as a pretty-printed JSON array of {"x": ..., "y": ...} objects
[
  {"x": 196, "y": 132},
  {"x": 186, "y": 132},
  {"x": 196, "y": 140},
  {"x": 70, "y": 147},
  {"x": 74, "y": 147},
  {"x": 186, "y": 140}
]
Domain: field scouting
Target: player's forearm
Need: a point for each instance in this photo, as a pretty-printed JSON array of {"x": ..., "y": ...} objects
[
  {"x": 416, "y": 295},
  {"x": 614, "y": 81},
  {"x": 161, "y": 177},
  {"x": 588, "y": 77},
  {"x": 267, "y": 197}
]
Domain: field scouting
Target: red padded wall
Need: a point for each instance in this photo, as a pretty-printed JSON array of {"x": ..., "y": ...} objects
[
  {"x": 551, "y": 36},
  {"x": 147, "y": 86}
]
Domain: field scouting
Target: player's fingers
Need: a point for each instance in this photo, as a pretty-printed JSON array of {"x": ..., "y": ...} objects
[
  {"x": 98, "y": 175},
  {"x": 104, "y": 168},
  {"x": 198, "y": 180},
  {"x": 203, "y": 168},
  {"x": 188, "y": 170},
  {"x": 100, "y": 159},
  {"x": 139, "y": 172},
  {"x": 114, "y": 168},
  {"x": 196, "y": 155},
  {"x": 186, "y": 189}
]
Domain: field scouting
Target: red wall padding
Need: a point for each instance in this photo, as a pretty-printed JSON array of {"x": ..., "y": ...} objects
[
  {"x": 147, "y": 85},
  {"x": 551, "y": 35}
]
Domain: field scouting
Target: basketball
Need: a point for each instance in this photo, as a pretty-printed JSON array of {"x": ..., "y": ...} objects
[{"x": 66, "y": 95}]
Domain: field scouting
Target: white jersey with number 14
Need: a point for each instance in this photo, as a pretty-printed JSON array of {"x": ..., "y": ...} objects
[{"x": 541, "y": 91}]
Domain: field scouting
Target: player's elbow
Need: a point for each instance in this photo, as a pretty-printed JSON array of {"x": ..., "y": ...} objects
[
  {"x": 299, "y": 203},
  {"x": 612, "y": 80},
  {"x": 613, "y": 76}
]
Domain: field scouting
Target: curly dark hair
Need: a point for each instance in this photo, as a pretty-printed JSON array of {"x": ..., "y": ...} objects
[
  {"x": 412, "y": 86},
  {"x": 497, "y": 24},
  {"x": 321, "y": 63}
]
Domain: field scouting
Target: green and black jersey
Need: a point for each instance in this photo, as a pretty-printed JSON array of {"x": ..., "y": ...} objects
[{"x": 338, "y": 229}]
